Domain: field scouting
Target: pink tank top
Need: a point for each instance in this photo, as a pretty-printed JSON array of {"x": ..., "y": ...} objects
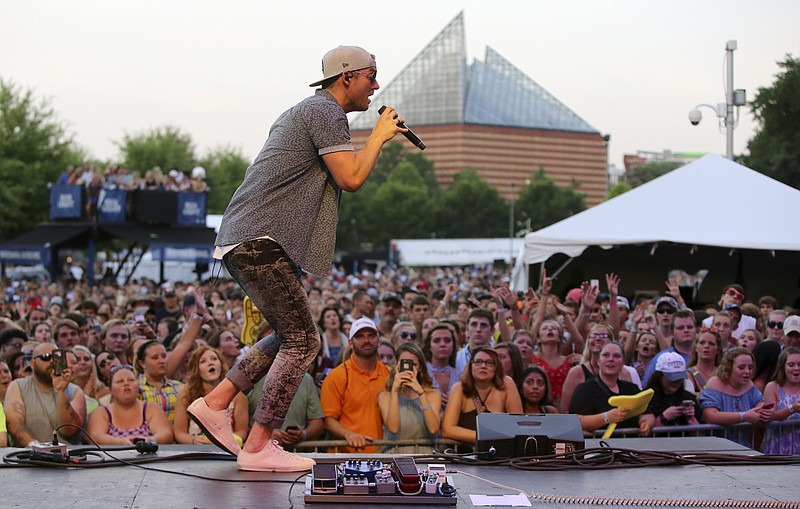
[{"x": 143, "y": 430}]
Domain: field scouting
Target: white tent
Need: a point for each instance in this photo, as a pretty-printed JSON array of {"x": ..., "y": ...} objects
[
  {"x": 428, "y": 252},
  {"x": 710, "y": 202}
]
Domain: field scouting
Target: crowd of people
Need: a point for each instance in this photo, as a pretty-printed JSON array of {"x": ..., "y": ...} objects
[
  {"x": 404, "y": 354},
  {"x": 96, "y": 182},
  {"x": 94, "y": 178}
]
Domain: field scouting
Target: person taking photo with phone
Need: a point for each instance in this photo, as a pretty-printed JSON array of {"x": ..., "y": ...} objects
[
  {"x": 672, "y": 404},
  {"x": 410, "y": 405},
  {"x": 37, "y": 405}
]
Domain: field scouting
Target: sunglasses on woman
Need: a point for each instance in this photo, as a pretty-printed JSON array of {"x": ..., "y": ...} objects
[
  {"x": 406, "y": 335},
  {"x": 110, "y": 357}
]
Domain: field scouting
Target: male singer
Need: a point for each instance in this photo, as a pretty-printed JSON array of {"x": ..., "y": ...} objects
[{"x": 281, "y": 221}]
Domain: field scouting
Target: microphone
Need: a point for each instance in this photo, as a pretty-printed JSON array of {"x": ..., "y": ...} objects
[{"x": 410, "y": 135}]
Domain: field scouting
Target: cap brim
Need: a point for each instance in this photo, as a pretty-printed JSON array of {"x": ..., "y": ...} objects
[{"x": 674, "y": 377}]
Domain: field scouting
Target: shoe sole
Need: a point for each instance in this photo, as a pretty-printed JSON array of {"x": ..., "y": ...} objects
[
  {"x": 277, "y": 469},
  {"x": 208, "y": 434}
]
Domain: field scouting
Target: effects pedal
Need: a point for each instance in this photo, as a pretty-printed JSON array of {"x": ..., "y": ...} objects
[
  {"x": 405, "y": 468},
  {"x": 367, "y": 468},
  {"x": 355, "y": 485},
  {"x": 325, "y": 478}
]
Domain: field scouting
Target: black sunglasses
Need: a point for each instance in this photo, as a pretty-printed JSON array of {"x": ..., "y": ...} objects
[
  {"x": 46, "y": 357},
  {"x": 665, "y": 311},
  {"x": 406, "y": 335},
  {"x": 110, "y": 357},
  {"x": 774, "y": 325}
]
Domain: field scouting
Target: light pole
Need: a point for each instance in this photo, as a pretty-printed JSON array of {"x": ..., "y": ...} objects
[{"x": 725, "y": 110}]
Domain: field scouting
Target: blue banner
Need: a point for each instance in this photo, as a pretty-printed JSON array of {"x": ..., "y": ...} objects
[
  {"x": 112, "y": 205},
  {"x": 182, "y": 253},
  {"x": 65, "y": 201},
  {"x": 25, "y": 255},
  {"x": 192, "y": 209}
]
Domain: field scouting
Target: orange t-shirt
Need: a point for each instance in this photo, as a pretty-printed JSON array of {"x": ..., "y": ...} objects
[{"x": 350, "y": 395}]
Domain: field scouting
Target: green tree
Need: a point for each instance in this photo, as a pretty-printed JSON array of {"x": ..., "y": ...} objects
[
  {"x": 775, "y": 148},
  {"x": 617, "y": 189},
  {"x": 401, "y": 207},
  {"x": 543, "y": 203},
  {"x": 166, "y": 147},
  {"x": 353, "y": 230},
  {"x": 34, "y": 149},
  {"x": 225, "y": 167},
  {"x": 471, "y": 209},
  {"x": 395, "y": 153},
  {"x": 649, "y": 171}
]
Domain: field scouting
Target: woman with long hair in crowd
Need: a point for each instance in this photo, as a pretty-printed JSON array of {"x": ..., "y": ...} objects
[
  {"x": 126, "y": 417},
  {"x": 206, "y": 370},
  {"x": 403, "y": 332},
  {"x": 550, "y": 359},
  {"x": 42, "y": 333},
  {"x": 483, "y": 388},
  {"x": 511, "y": 360},
  {"x": 154, "y": 386},
  {"x": 410, "y": 404},
  {"x": 706, "y": 356},
  {"x": 730, "y": 397},
  {"x": 784, "y": 393},
  {"x": 645, "y": 349},
  {"x": 534, "y": 390},
  {"x": 228, "y": 346},
  {"x": 333, "y": 338},
  {"x": 439, "y": 349},
  {"x": 84, "y": 376},
  {"x": 750, "y": 338},
  {"x": 524, "y": 341}
]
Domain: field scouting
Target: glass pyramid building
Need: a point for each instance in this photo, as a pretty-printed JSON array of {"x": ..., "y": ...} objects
[
  {"x": 490, "y": 117},
  {"x": 438, "y": 87}
]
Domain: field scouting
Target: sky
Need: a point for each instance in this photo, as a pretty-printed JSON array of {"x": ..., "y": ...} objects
[{"x": 224, "y": 71}]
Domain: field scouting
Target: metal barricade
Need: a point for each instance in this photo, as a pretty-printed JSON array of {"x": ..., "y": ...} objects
[
  {"x": 410, "y": 446},
  {"x": 733, "y": 432}
]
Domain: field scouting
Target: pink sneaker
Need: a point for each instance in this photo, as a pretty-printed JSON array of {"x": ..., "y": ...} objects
[
  {"x": 272, "y": 458},
  {"x": 216, "y": 424}
]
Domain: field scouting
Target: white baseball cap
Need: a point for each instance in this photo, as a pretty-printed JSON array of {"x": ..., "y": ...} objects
[
  {"x": 672, "y": 365},
  {"x": 362, "y": 323},
  {"x": 344, "y": 58}
]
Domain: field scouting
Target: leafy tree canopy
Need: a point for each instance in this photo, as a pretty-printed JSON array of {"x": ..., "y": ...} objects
[
  {"x": 543, "y": 203},
  {"x": 619, "y": 188},
  {"x": 35, "y": 148},
  {"x": 775, "y": 148},
  {"x": 649, "y": 171},
  {"x": 225, "y": 167},
  {"x": 166, "y": 147}
]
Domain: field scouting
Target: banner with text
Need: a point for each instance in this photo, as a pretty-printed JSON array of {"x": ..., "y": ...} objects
[
  {"x": 192, "y": 209},
  {"x": 65, "y": 201}
]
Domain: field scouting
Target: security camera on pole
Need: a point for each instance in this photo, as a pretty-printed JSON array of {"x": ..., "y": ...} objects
[{"x": 725, "y": 110}]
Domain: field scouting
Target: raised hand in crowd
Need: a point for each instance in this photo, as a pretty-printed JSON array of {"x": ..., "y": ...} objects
[{"x": 673, "y": 290}]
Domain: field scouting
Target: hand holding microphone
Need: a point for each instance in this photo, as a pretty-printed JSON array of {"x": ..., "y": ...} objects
[{"x": 409, "y": 134}]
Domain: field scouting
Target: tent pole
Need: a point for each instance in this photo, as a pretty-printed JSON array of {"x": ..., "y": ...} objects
[{"x": 558, "y": 271}]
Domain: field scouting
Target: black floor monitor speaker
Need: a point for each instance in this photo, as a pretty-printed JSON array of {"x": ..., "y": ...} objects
[{"x": 519, "y": 435}]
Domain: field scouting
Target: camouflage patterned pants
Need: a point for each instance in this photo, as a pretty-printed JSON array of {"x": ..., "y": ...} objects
[{"x": 272, "y": 281}]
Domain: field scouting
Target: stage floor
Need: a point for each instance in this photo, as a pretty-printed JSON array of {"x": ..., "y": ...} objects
[{"x": 130, "y": 487}]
